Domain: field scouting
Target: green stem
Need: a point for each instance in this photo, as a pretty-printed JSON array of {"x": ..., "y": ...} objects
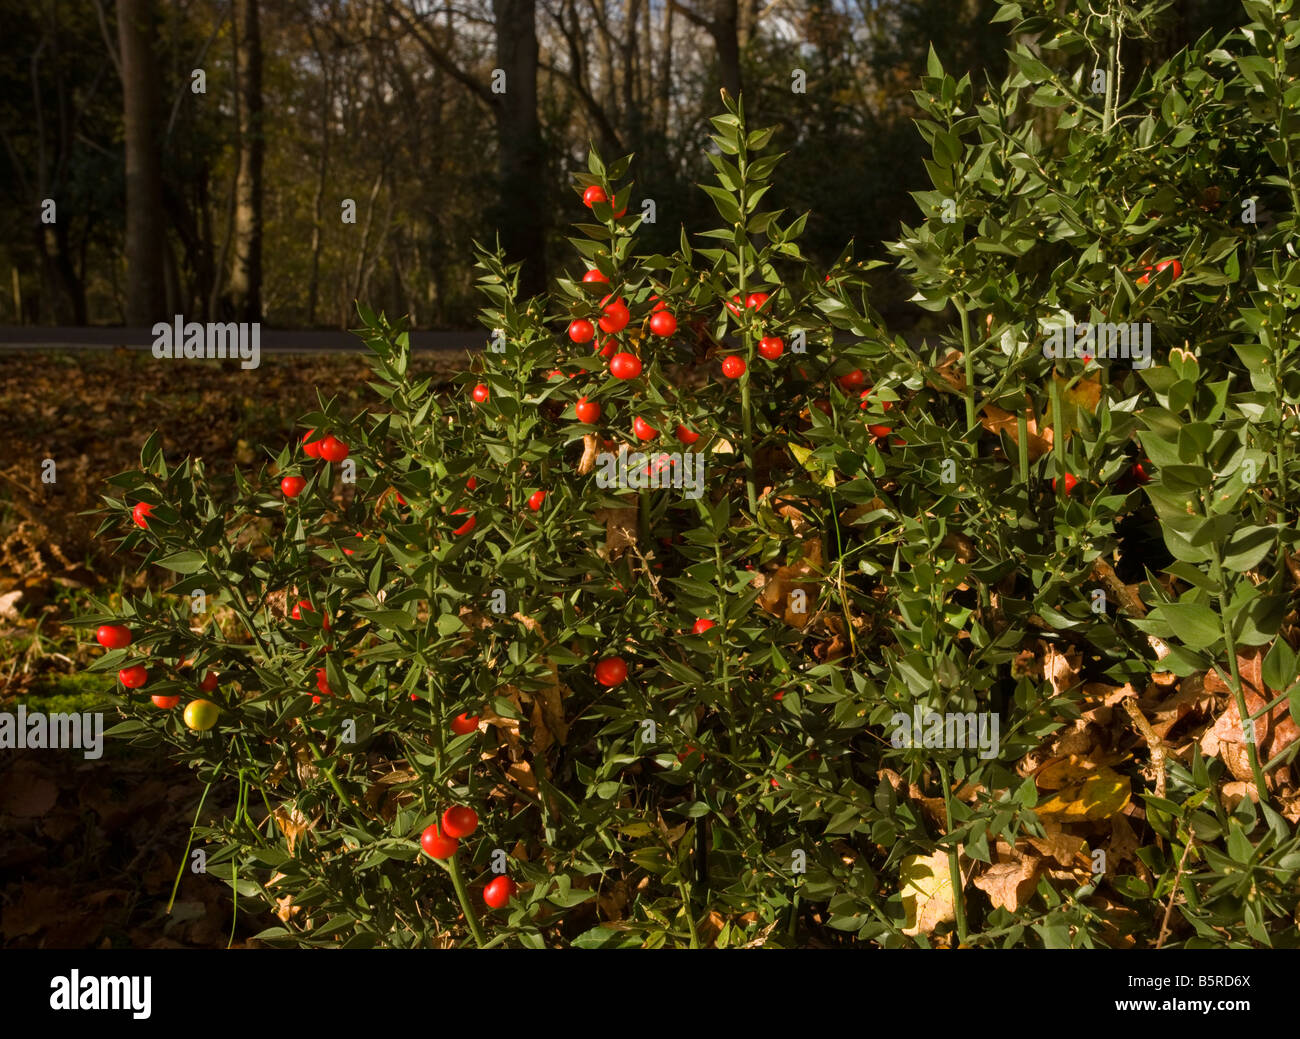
[
  {"x": 1058, "y": 446},
  {"x": 462, "y": 896},
  {"x": 968, "y": 361},
  {"x": 1113, "y": 70},
  {"x": 1238, "y": 696},
  {"x": 954, "y": 867},
  {"x": 746, "y": 405},
  {"x": 334, "y": 782},
  {"x": 1022, "y": 446},
  {"x": 687, "y": 907},
  {"x": 186, "y": 856}
]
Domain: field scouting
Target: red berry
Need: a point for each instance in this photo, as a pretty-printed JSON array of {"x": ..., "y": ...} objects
[
  {"x": 435, "y": 845},
  {"x": 1070, "y": 482},
  {"x": 471, "y": 483},
  {"x": 1139, "y": 473},
  {"x": 755, "y": 300},
  {"x": 291, "y": 486},
  {"x": 140, "y": 514},
  {"x": 659, "y": 304},
  {"x": 614, "y": 317},
  {"x": 113, "y": 636},
  {"x": 663, "y": 323},
  {"x": 311, "y": 448},
  {"x": 594, "y": 275},
  {"x": 465, "y": 527},
  {"x": 133, "y": 677},
  {"x": 594, "y": 194},
  {"x": 298, "y": 607},
  {"x": 400, "y": 499},
  {"x": 322, "y": 682},
  {"x": 690, "y": 749},
  {"x": 702, "y": 625},
  {"x": 771, "y": 347},
  {"x": 686, "y": 436},
  {"x": 535, "y": 500},
  {"x": 479, "y": 393},
  {"x": 587, "y": 410},
  {"x": 884, "y": 405},
  {"x": 734, "y": 305},
  {"x": 625, "y": 366},
  {"x": 880, "y": 432},
  {"x": 851, "y": 380},
  {"x": 611, "y": 671},
  {"x": 643, "y": 430},
  {"x": 607, "y": 347},
  {"x": 332, "y": 449},
  {"x": 165, "y": 702},
  {"x": 459, "y": 821},
  {"x": 779, "y": 695},
  {"x": 1162, "y": 265},
  {"x": 733, "y": 367},
  {"x": 582, "y": 330},
  {"x": 464, "y": 723},
  {"x": 499, "y": 891},
  {"x": 209, "y": 682}
]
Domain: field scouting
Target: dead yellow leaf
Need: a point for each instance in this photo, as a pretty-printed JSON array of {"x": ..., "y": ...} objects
[
  {"x": 1100, "y": 796},
  {"x": 927, "y": 892}
]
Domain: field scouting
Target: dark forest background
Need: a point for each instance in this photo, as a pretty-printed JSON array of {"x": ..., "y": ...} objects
[{"x": 228, "y": 202}]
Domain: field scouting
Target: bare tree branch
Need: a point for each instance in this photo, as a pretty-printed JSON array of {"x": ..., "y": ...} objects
[{"x": 439, "y": 57}]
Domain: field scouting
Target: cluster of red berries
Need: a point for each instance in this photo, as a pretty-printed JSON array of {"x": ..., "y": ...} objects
[
  {"x": 441, "y": 842},
  {"x": 328, "y": 449},
  {"x": 136, "y": 676}
]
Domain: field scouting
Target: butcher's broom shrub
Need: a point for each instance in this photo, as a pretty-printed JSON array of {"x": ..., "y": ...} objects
[{"x": 1076, "y": 572}]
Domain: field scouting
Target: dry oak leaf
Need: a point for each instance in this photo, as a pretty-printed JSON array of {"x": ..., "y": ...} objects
[
  {"x": 1061, "y": 670},
  {"x": 1009, "y": 884},
  {"x": 293, "y": 824},
  {"x": 927, "y": 892},
  {"x": 1102, "y": 698},
  {"x": 620, "y": 530},
  {"x": 1065, "y": 848},
  {"x": 1102, "y": 795},
  {"x": 1122, "y": 844},
  {"x": 548, "y": 721},
  {"x": 804, "y": 576},
  {"x": 995, "y": 420},
  {"x": 1274, "y": 731}
]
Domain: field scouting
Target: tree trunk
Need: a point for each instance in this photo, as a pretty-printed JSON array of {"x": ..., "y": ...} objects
[
  {"x": 246, "y": 269},
  {"x": 144, "y": 223},
  {"x": 726, "y": 37},
  {"x": 520, "y": 156}
]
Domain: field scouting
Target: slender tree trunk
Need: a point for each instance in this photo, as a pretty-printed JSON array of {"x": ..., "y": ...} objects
[
  {"x": 666, "y": 72},
  {"x": 318, "y": 200},
  {"x": 726, "y": 37},
  {"x": 246, "y": 269},
  {"x": 520, "y": 154},
  {"x": 144, "y": 223}
]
